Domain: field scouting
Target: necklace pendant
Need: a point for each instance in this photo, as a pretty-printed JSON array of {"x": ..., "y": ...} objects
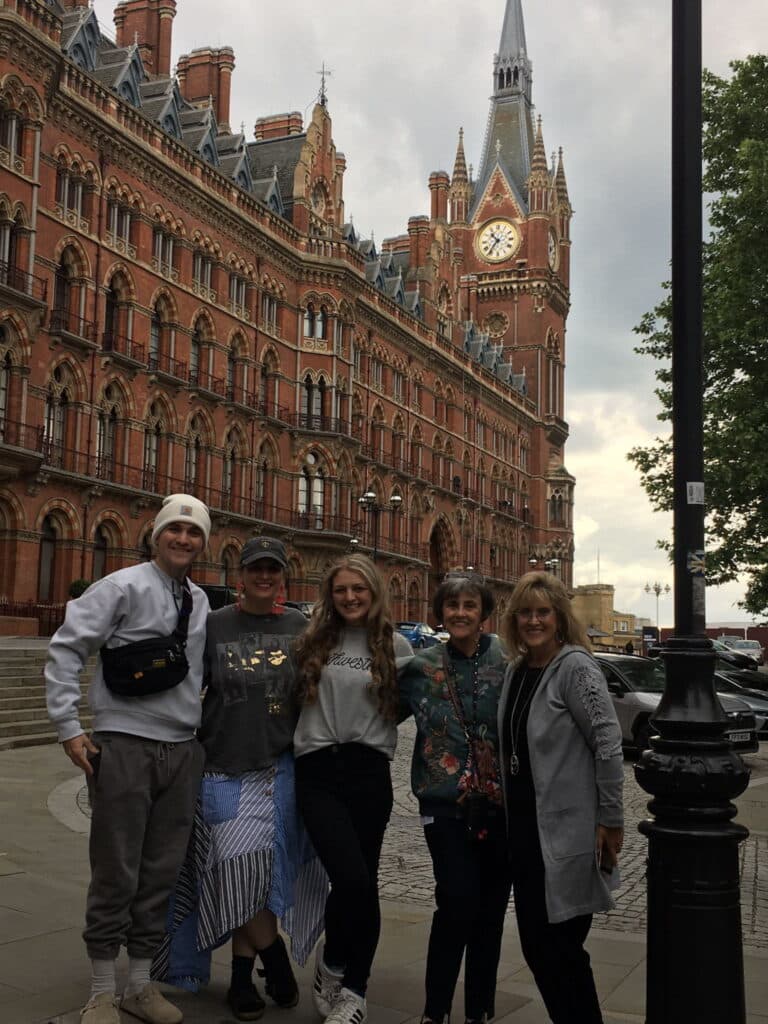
[{"x": 514, "y": 765}]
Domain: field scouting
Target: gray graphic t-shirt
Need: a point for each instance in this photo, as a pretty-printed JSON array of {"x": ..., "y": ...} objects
[{"x": 249, "y": 712}]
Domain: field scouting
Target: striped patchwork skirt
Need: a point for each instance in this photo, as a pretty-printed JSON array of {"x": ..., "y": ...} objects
[{"x": 248, "y": 852}]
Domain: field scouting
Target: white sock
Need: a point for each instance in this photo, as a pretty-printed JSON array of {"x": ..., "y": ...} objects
[
  {"x": 102, "y": 977},
  {"x": 138, "y": 975}
]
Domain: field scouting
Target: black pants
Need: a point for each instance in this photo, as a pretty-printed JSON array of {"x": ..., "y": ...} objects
[
  {"x": 344, "y": 795},
  {"x": 554, "y": 952},
  {"x": 472, "y": 883}
]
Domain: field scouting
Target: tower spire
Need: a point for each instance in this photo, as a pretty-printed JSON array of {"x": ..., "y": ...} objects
[
  {"x": 461, "y": 191},
  {"x": 510, "y": 120}
]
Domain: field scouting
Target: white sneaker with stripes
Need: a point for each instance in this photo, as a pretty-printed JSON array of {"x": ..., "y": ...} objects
[
  {"x": 326, "y": 985},
  {"x": 349, "y": 1008}
]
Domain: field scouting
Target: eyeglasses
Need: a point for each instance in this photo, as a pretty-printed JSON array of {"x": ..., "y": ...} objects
[{"x": 528, "y": 614}]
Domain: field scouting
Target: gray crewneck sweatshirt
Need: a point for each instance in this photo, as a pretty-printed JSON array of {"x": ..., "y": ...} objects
[
  {"x": 131, "y": 604},
  {"x": 345, "y": 710}
]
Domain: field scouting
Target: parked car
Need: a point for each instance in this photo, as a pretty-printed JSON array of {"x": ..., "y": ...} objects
[
  {"x": 305, "y": 607},
  {"x": 757, "y": 700},
  {"x": 752, "y": 679},
  {"x": 726, "y": 657},
  {"x": 418, "y": 634},
  {"x": 442, "y": 634},
  {"x": 636, "y": 685},
  {"x": 750, "y": 647}
]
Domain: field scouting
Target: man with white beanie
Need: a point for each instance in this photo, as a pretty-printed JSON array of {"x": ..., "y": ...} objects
[{"x": 142, "y": 762}]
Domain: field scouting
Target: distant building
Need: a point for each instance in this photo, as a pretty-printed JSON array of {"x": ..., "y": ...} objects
[
  {"x": 184, "y": 308},
  {"x": 607, "y": 628}
]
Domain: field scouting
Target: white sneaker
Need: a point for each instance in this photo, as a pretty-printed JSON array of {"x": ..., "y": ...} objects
[
  {"x": 326, "y": 985},
  {"x": 349, "y": 1008}
]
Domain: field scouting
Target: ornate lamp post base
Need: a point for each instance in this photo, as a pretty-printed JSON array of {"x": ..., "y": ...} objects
[{"x": 695, "y": 960}]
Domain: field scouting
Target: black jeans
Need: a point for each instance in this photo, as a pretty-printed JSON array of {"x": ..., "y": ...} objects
[
  {"x": 344, "y": 795},
  {"x": 472, "y": 883},
  {"x": 554, "y": 952}
]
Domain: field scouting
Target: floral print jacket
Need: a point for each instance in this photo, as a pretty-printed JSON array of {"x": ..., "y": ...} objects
[{"x": 442, "y": 770}]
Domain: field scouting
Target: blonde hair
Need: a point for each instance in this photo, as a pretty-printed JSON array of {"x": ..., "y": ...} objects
[
  {"x": 542, "y": 588},
  {"x": 326, "y": 626}
]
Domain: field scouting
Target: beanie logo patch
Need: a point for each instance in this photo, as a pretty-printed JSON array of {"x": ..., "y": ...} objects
[{"x": 186, "y": 510}]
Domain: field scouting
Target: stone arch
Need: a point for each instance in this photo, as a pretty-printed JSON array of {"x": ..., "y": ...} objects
[
  {"x": 73, "y": 248},
  {"x": 125, "y": 281}
]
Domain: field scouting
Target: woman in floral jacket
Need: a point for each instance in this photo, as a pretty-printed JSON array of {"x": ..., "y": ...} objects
[{"x": 452, "y": 690}]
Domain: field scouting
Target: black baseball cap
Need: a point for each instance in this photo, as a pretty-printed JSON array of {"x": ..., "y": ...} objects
[{"x": 264, "y": 547}]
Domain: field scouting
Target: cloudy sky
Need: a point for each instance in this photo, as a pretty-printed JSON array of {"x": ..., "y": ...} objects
[{"x": 406, "y": 75}]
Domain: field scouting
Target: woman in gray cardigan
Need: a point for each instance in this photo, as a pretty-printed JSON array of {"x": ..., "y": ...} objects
[{"x": 560, "y": 748}]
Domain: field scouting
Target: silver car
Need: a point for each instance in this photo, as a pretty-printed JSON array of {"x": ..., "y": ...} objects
[{"x": 636, "y": 685}]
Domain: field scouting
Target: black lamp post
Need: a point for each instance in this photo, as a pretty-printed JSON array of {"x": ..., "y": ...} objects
[
  {"x": 695, "y": 958},
  {"x": 370, "y": 504}
]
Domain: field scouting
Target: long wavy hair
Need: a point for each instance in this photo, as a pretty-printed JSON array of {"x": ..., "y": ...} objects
[
  {"x": 326, "y": 626},
  {"x": 541, "y": 588}
]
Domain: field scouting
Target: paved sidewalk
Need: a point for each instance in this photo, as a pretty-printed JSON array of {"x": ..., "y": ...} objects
[{"x": 43, "y": 876}]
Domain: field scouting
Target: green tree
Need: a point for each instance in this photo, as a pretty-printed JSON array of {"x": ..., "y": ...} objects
[{"x": 735, "y": 336}]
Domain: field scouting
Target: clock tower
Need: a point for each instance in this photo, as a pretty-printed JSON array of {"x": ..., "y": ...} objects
[{"x": 515, "y": 221}]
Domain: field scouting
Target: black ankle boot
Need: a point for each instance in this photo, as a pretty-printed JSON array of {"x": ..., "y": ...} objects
[{"x": 279, "y": 982}]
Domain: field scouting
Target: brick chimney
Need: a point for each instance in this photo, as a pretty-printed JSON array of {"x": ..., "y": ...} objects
[
  {"x": 278, "y": 125},
  {"x": 206, "y": 74},
  {"x": 70, "y": 5},
  {"x": 150, "y": 23},
  {"x": 439, "y": 185}
]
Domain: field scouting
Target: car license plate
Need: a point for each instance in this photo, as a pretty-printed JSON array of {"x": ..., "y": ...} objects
[{"x": 738, "y": 737}]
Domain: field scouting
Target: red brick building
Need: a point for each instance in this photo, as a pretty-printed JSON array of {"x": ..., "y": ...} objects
[{"x": 182, "y": 308}]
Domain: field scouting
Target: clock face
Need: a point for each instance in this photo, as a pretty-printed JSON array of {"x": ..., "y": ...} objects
[
  {"x": 498, "y": 240},
  {"x": 552, "y": 252}
]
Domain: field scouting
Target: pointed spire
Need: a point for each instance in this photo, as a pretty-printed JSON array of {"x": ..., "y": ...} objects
[
  {"x": 539, "y": 159},
  {"x": 510, "y": 121},
  {"x": 460, "y": 176},
  {"x": 460, "y": 194},
  {"x": 560, "y": 182},
  {"x": 513, "y": 31}
]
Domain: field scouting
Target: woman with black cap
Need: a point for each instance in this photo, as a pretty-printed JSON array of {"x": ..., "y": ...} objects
[{"x": 250, "y": 863}]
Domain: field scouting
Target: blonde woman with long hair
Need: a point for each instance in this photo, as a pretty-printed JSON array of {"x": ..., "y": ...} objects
[{"x": 347, "y": 662}]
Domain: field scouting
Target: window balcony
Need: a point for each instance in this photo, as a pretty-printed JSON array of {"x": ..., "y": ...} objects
[
  {"x": 163, "y": 366},
  {"x": 207, "y": 385},
  {"x": 248, "y": 400},
  {"x": 319, "y": 424},
  {"x": 21, "y": 448},
  {"x": 73, "y": 331},
  {"x": 22, "y": 288},
  {"x": 123, "y": 349}
]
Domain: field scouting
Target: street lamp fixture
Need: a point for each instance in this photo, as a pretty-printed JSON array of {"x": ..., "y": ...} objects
[
  {"x": 550, "y": 564},
  {"x": 369, "y": 502},
  {"x": 658, "y": 589}
]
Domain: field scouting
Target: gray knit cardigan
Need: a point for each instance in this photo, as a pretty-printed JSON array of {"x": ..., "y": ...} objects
[{"x": 574, "y": 742}]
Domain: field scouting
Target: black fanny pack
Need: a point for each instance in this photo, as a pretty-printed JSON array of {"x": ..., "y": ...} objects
[{"x": 149, "y": 666}]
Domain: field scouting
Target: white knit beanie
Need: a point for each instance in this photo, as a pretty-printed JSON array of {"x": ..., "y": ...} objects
[{"x": 182, "y": 508}]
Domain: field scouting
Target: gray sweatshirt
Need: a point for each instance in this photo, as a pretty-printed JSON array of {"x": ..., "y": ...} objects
[
  {"x": 345, "y": 710},
  {"x": 136, "y": 603}
]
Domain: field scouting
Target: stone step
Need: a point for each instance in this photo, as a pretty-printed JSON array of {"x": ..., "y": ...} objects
[
  {"x": 27, "y": 740},
  {"x": 21, "y": 668},
  {"x": 34, "y": 727},
  {"x": 22, "y": 689},
  {"x": 32, "y": 713},
  {"x": 21, "y": 700},
  {"x": 13, "y": 682}
]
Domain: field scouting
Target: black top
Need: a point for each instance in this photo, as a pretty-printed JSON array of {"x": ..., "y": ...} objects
[
  {"x": 520, "y": 791},
  {"x": 249, "y": 712}
]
